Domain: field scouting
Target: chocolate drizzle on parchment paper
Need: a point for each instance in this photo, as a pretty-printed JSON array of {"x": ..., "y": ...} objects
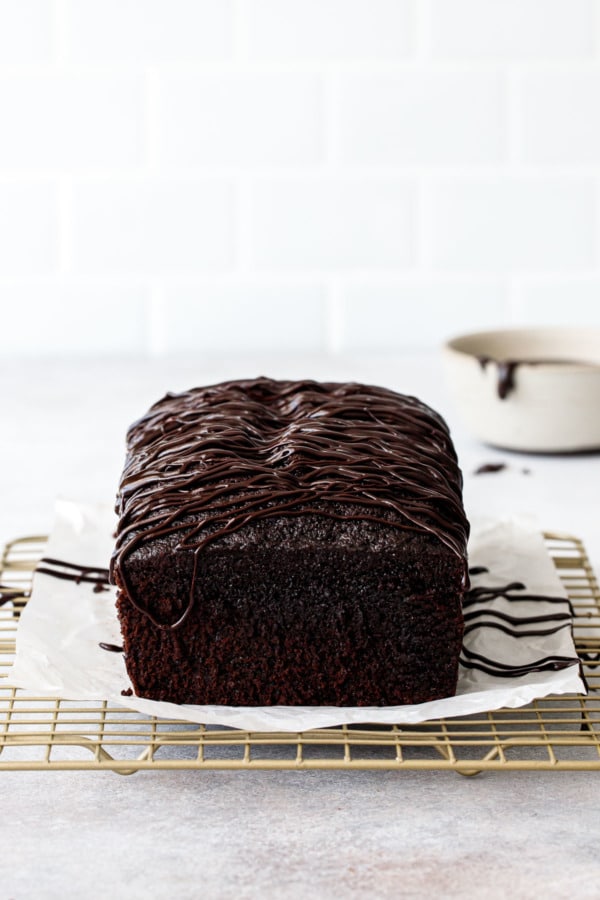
[{"x": 481, "y": 616}]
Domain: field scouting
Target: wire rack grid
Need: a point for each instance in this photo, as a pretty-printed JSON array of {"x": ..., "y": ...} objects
[{"x": 556, "y": 733}]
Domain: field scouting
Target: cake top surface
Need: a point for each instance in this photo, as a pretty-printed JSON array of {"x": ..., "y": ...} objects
[{"x": 208, "y": 461}]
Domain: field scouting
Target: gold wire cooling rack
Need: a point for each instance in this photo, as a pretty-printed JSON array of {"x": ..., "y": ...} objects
[{"x": 556, "y": 733}]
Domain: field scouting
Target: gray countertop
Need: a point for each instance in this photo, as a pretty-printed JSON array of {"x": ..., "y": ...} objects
[
  {"x": 278, "y": 834},
  {"x": 297, "y": 835}
]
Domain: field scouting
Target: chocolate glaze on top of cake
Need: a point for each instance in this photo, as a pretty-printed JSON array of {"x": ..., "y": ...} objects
[{"x": 207, "y": 462}]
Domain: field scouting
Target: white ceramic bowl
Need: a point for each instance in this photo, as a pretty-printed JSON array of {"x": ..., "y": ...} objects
[{"x": 550, "y": 378}]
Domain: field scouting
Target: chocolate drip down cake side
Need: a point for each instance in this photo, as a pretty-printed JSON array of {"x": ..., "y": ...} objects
[{"x": 294, "y": 543}]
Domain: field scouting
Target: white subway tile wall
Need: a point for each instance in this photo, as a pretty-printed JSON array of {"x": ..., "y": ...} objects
[
  {"x": 444, "y": 307},
  {"x": 279, "y": 317},
  {"x": 521, "y": 223},
  {"x": 329, "y": 29},
  {"x": 158, "y": 226},
  {"x": 25, "y": 32},
  {"x": 206, "y": 176},
  {"x": 423, "y": 118},
  {"x": 71, "y": 122},
  {"x": 149, "y": 32},
  {"x": 29, "y": 228},
  {"x": 518, "y": 29},
  {"x": 241, "y": 119},
  {"x": 331, "y": 223},
  {"x": 64, "y": 310}
]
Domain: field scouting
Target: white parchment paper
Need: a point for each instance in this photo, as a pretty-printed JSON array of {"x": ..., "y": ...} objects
[{"x": 58, "y": 652}]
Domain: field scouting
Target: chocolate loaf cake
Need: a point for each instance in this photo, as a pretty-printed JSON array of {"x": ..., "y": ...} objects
[{"x": 294, "y": 543}]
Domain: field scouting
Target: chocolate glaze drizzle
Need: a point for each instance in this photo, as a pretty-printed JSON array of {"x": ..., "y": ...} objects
[
  {"x": 506, "y": 374},
  {"x": 512, "y": 626},
  {"x": 503, "y": 670},
  {"x": 10, "y": 593},
  {"x": 112, "y": 648},
  {"x": 482, "y": 594},
  {"x": 205, "y": 463},
  {"x": 68, "y": 571}
]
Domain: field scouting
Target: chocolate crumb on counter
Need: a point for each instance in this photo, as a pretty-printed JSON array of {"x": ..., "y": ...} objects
[{"x": 488, "y": 468}]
